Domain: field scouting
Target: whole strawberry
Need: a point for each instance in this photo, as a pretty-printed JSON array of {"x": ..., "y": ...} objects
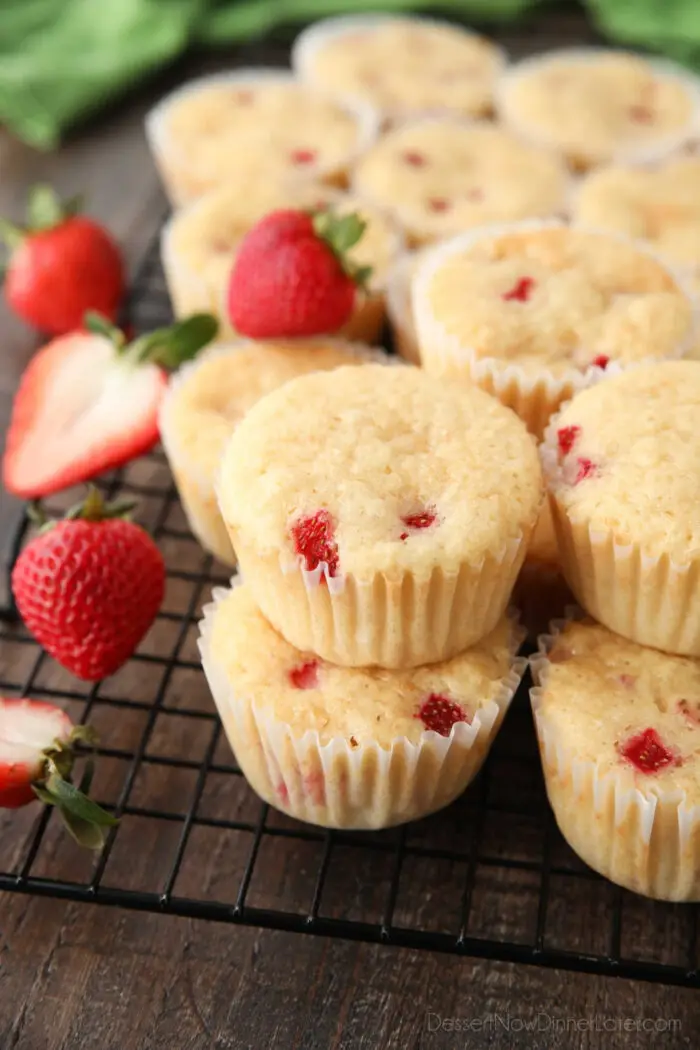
[
  {"x": 89, "y": 587},
  {"x": 61, "y": 264},
  {"x": 292, "y": 276}
]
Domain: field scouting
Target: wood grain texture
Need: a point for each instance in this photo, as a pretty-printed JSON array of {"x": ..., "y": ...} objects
[{"x": 81, "y": 977}]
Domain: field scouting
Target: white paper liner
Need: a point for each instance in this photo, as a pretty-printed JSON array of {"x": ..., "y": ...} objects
[
  {"x": 645, "y": 840},
  {"x": 641, "y": 153},
  {"x": 646, "y": 597},
  {"x": 173, "y": 162},
  {"x": 336, "y": 785},
  {"x": 313, "y": 39},
  {"x": 190, "y": 293},
  {"x": 196, "y": 486},
  {"x": 394, "y": 622},
  {"x": 533, "y": 395},
  {"x": 398, "y": 308}
]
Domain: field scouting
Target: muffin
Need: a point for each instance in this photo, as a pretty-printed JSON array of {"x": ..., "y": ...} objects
[
  {"x": 252, "y": 122},
  {"x": 352, "y": 747},
  {"x": 595, "y": 106},
  {"x": 380, "y": 516},
  {"x": 207, "y": 399},
  {"x": 199, "y": 245},
  {"x": 438, "y": 177},
  {"x": 622, "y": 464},
  {"x": 619, "y": 734},
  {"x": 660, "y": 205},
  {"x": 534, "y": 311},
  {"x": 400, "y": 66},
  {"x": 541, "y": 593}
]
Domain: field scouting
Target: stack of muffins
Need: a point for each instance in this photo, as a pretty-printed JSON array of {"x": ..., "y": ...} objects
[{"x": 381, "y": 515}]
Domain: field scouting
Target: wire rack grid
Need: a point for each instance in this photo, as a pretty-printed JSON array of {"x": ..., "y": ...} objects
[{"x": 489, "y": 877}]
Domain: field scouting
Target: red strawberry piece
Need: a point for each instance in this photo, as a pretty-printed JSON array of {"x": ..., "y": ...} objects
[
  {"x": 305, "y": 676},
  {"x": 314, "y": 785},
  {"x": 601, "y": 361},
  {"x": 439, "y": 204},
  {"x": 689, "y": 711},
  {"x": 292, "y": 277},
  {"x": 627, "y": 680},
  {"x": 439, "y": 714},
  {"x": 640, "y": 114},
  {"x": 586, "y": 469},
  {"x": 245, "y": 97},
  {"x": 303, "y": 156},
  {"x": 422, "y": 520},
  {"x": 61, "y": 265},
  {"x": 566, "y": 436},
  {"x": 647, "y": 752},
  {"x": 88, "y": 402},
  {"x": 413, "y": 158},
  {"x": 521, "y": 291},
  {"x": 282, "y": 793},
  {"x": 474, "y": 194},
  {"x": 89, "y": 587},
  {"x": 36, "y": 761},
  {"x": 314, "y": 540}
]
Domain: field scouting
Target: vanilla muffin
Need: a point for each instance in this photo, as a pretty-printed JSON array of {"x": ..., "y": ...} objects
[
  {"x": 622, "y": 464},
  {"x": 380, "y": 516},
  {"x": 251, "y": 123},
  {"x": 438, "y": 177},
  {"x": 660, "y": 205},
  {"x": 352, "y": 747},
  {"x": 207, "y": 399},
  {"x": 533, "y": 311},
  {"x": 200, "y": 242},
  {"x": 596, "y": 106},
  {"x": 400, "y": 66},
  {"x": 619, "y": 734},
  {"x": 541, "y": 593}
]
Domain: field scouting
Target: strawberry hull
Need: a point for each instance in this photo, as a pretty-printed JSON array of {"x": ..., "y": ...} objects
[{"x": 27, "y": 727}]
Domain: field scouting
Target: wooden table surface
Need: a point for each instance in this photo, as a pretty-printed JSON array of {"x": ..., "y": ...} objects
[{"x": 76, "y": 976}]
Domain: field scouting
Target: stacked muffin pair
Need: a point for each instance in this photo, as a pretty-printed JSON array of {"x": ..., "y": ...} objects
[{"x": 365, "y": 664}]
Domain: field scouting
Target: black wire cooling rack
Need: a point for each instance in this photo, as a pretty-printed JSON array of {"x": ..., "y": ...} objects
[{"x": 489, "y": 877}]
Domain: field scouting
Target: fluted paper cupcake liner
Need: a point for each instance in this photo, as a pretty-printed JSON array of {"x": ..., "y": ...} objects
[
  {"x": 318, "y": 35},
  {"x": 638, "y": 593},
  {"x": 338, "y": 785},
  {"x": 399, "y": 309},
  {"x": 196, "y": 487},
  {"x": 396, "y": 621},
  {"x": 647, "y": 841},
  {"x": 641, "y": 153},
  {"x": 534, "y": 394},
  {"x": 184, "y": 185}
]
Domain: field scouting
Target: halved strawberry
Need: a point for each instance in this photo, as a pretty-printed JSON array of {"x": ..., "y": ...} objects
[
  {"x": 88, "y": 402},
  {"x": 36, "y": 761}
]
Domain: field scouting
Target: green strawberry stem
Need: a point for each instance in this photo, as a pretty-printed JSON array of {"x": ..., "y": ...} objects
[
  {"x": 83, "y": 818},
  {"x": 45, "y": 210},
  {"x": 91, "y": 508},
  {"x": 168, "y": 347},
  {"x": 341, "y": 233}
]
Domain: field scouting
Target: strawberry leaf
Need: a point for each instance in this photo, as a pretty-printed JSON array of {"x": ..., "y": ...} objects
[
  {"x": 91, "y": 836},
  {"x": 11, "y": 234},
  {"x": 45, "y": 210},
  {"x": 171, "y": 347},
  {"x": 100, "y": 325},
  {"x": 68, "y": 797},
  {"x": 341, "y": 233}
]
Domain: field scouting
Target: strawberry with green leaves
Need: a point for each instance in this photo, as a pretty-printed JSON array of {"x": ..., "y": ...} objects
[
  {"x": 88, "y": 587},
  {"x": 61, "y": 264},
  {"x": 88, "y": 402},
  {"x": 293, "y": 276},
  {"x": 37, "y": 756}
]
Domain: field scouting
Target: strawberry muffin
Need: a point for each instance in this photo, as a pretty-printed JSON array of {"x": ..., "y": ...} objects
[
  {"x": 439, "y": 176},
  {"x": 400, "y": 66},
  {"x": 534, "y": 311},
  {"x": 353, "y": 748},
  {"x": 253, "y": 122},
  {"x": 619, "y": 734},
  {"x": 660, "y": 205},
  {"x": 621, "y": 461},
  {"x": 208, "y": 398},
  {"x": 199, "y": 246},
  {"x": 596, "y": 106},
  {"x": 379, "y": 515}
]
